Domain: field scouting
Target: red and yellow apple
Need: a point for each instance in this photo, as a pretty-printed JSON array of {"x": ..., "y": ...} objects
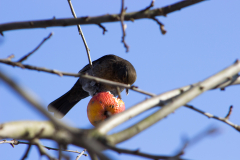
[{"x": 103, "y": 105}]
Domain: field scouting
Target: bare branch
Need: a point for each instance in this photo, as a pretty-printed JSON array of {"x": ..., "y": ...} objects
[
  {"x": 60, "y": 154},
  {"x": 119, "y": 93},
  {"x": 93, "y": 156},
  {"x": 66, "y": 134},
  {"x": 99, "y": 19},
  {"x": 163, "y": 31},
  {"x": 27, "y": 130},
  {"x": 138, "y": 153},
  {"x": 159, "y": 101},
  {"x": 31, "y": 100},
  {"x": 150, "y": 6},
  {"x": 124, "y": 26},
  {"x": 230, "y": 81},
  {"x": 16, "y": 142},
  {"x": 99, "y": 80},
  {"x": 41, "y": 149},
  {"x": 33, "y": 142},
  {"x": 81, "y": 33},
  {"x": 101, "y": 26},
  {"x": 195, "y": 140},
  {"x": 12, "y": 142},
  {"x": 27, "y": 152},
  {"x": 10, "y": 57},
  {"x": 224, "y": 120},
  {"x": 229, "y": 112},
  {"x": 177, "y": 102},
  {"x": 81, "y": 154},
  {"x": 29, "y": 54}
]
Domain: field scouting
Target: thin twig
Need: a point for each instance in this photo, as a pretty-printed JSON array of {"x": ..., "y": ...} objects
[
  {"x": 41, "y": 149},
  {"x": 101, "y": 26},
  {"x": 27, "y": 152},
  {"x": 77, "y": 158},
  {"x": 81, "y": 33},
  {"x": 29, "y": 54},
  {"x": 224, "y": 120},
  {"x": 99, "y": 80},
  {"x": 12, "y": 142},
  {"x": 98, "y": 19},
  {"x": 163, "y": 31},
  {"x": 124, "y": 26},
  {"x": 195, "y": 140},
  {"x": 60, "y": 154},
  {"x": 119, "y": 93},
  {"x": 16, "y": 142},
  {"x": 150, "y": 6},
  {"x": 138, "y": 153},
  {"x": 10, "y": 57},
  {"x": 229, "y": 112}
]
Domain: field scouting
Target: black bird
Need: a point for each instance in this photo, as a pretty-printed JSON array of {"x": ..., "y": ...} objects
[{"x": 108, "y": 67}]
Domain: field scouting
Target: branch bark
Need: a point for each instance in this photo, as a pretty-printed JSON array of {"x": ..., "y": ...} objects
[
  {"x": 98, "y": 19},
  {"x": 60, "y": 73},
  {"x": 177, "y": 102}
]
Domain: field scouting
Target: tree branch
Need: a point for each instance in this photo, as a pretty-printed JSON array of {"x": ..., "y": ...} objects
[
  {"x": 98, "y": 80},
  {"x": 27, "y": 130},
  {"x": 67, "y": 134},
  {"x": 148, "y": 7},
  {"x": 82, "y": 153},
  {"x": 224, "y": 120},
  {"x": 31, "y": 100},
  {"x": 141, "y": 154},
  {"x": 163, "y": 31},
  {"x": 41, "y": 149},
  {"x": 124, "y": 26},
  {"x": 16, "y": 142},
  {"x": 177, "y": 102},
  {"x": 27, "y": 152},
  {"x": 195, "y": 139},
  {"x": 81, "y": 33},
  {"x": 103, "y": 28},
  {"x": 29, "y": 54},
  {"x": 98, "y": 19}
]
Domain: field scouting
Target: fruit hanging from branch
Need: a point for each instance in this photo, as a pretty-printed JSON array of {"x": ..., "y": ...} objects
[{"x": 103, "y": 105}]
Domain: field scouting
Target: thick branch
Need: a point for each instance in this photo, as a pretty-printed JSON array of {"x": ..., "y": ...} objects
[
  {"x": 177, "y": 102},
  {"x": 169, "y": 108},
  {"x": 99, "y": 19},
  {"x": 31, "y": 100},
  {"x": 67, "y": 134},
  {"x": 27, "y": 130}
]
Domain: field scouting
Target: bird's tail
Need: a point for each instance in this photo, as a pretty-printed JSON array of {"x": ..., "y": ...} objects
[{"x": 63, "y": 104}]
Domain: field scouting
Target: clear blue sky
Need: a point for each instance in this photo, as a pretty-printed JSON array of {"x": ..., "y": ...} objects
[{"x": 201, "y": 40}]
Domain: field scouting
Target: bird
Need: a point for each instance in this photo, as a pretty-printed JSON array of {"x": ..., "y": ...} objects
[{"x": 109, "y": 67}]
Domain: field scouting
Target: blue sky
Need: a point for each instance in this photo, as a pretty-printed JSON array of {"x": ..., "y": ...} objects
[{"x": 201, "y": 40}]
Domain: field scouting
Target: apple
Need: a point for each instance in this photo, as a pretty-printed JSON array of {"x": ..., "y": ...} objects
[{"x": 103, "y": 105}]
